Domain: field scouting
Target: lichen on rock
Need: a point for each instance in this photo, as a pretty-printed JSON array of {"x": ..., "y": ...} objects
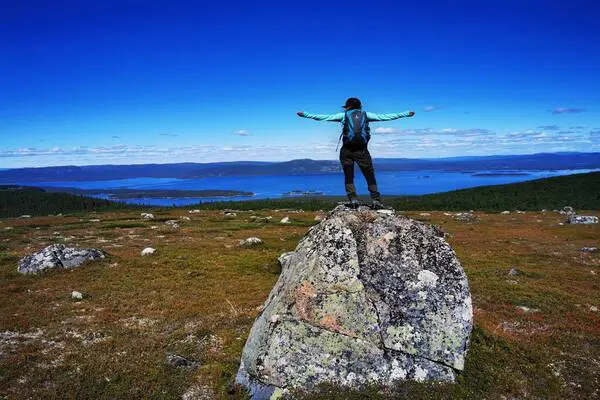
[{"x": 366, "y": 297}]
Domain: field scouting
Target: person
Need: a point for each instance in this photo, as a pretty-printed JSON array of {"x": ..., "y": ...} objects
[{"x": 355, "y": 138}]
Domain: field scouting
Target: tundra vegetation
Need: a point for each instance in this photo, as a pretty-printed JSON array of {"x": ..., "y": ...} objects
[{"x": 175, "y": 321}]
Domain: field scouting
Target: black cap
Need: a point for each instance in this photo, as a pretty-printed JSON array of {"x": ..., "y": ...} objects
[{"x": 352, "y": 103}]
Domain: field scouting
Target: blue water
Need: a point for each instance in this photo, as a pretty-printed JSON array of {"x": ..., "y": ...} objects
[{"x": 390, "y": 183}]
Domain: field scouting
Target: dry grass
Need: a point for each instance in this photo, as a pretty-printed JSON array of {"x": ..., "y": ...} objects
[{"x": 198, "y": 295}]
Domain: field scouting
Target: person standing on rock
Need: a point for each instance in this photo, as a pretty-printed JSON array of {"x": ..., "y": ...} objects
[{"x": 355, "y": 136}]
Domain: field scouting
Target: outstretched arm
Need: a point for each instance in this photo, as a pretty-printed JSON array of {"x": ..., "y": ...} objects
[
  {"x": 389, "y": 117},
  {"x": 322, "y": 117}
]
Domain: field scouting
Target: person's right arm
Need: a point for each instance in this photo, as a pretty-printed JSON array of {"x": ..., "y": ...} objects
[{"x": 322, "y": 117}]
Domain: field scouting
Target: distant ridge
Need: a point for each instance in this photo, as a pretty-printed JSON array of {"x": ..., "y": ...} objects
[{"x": 541, "y": 161}]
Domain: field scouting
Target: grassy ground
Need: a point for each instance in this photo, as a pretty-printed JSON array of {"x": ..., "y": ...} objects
[{"x": 199, "y": 294}]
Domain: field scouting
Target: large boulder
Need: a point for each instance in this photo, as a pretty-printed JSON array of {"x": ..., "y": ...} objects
[
  {"x": 57, "y": 256},
  {"x": 366, "y": 297}
]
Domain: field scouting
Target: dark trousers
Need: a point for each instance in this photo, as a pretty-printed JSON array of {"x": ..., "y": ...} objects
[{"x": 363, "y": 158}]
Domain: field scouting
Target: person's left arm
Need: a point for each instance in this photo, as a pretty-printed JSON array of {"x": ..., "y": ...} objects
[{"x": 388, "y": 117}]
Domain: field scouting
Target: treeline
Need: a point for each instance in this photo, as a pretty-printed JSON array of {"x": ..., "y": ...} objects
[
  {"x": 20, "y": 200},
  {"x": 581, "y": 191}
]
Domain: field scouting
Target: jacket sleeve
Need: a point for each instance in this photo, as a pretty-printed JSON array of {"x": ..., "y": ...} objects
[
  {"x": 386, "y": 117},
  {"x": 325, "y": 117}
]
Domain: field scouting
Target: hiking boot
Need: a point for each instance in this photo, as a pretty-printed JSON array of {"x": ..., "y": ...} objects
[
  {"x": 377, "y": 205},
  {"x": 354, "y": 204}
]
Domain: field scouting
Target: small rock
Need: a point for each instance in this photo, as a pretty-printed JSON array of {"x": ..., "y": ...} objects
[
  {"x": 75, "y": 295},
  {"x": 255, "y": 218},
  {"x": 527, "y": 309},
  {"x": 185, "y": 218},
  {"x": 592, "y": 272},
  {"x": 519, "y": 212},
  {"x": 25, "y": 216},
  {"x": 514, "y": 272},
  {"x": 8, "y": 228},
  {"x": 148, "y": 251},
  {"x": 424, "y": 214},
  {"x": 179, "y": 361},
  {"x": 172, "y": 223},
  {"x": 285, "y": 220},
  {"x": 94, "y": 220},
  {"x": 230, "y": 214},
  {"x": 593, "y": 309},
  {"x": 465, "y": 217},
  {"x": 505, "y": 212},
  {"x": 582, "y": 219},
  {"x": 250, "y": 242},
  {"x": 588, "y": 249},
  {"x": 512, "y": 282},
  {"x": 147, "y": 216},
  {"x": 319, "y": 218},
  {"x": 194, "y": 211}
]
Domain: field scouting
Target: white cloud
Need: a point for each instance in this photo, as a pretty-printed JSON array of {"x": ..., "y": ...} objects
[
  {"x": 241, "y": 132},
  {"x": 387, "y": 131}
]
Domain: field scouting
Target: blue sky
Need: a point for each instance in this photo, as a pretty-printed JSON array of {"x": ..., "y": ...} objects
[{"x": 97, "y": 82}]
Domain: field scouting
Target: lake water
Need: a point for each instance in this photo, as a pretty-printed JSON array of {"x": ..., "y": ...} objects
[{"x": 390, "y": 183}]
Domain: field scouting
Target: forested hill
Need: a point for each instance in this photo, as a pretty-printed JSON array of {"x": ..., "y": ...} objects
[
  {"x": 542, "y": 161},
  {"x": 20, "y": 200}
]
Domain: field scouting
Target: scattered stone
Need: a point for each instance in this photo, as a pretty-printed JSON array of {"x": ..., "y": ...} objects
[
  {"x": 514, "y": 272},
  {"x": 250, "y": 242},
  {"x": 505, "y": 212},
  {"x": 194, "y": 211},
  {"x": 75, "y": 295},
  {"x": 588, "y": 249},
  {"x": 57, "y": 256},
  {"x": 512, "y": 282},
  {"x": 319, "y": 218},
  {"x": 465, "y": 217},
  {"x": 592, "y": 272},
  {"x": 8, "y": 228},
  {"x": 94, "y": 220},
  {"x": 365, "y": 298},
  {"x": 173, "y": 223},
  {"x": 179, "y": 361},
  {"x": 25, "y": 216},
  {"x": 528, "y": 310},
  {"x": 285, "y": 220},
  {"x": 582, "y": 219},
  {"x": 199, "y": 392},
  {"x": 519, "y": 212},
  {"x": 230, "y": 214},
  {"x": 568, "y": 210},
  {"x": 425, "y": 214},
  {"x": 385, "y": 212},
  {"x": 148, "y": 251},
  {"x": 185, "y": 218},
  {"x": 255, "y": 218},
  {"x": 147, "y": 216},
  {"x": 593, "y": 309}
]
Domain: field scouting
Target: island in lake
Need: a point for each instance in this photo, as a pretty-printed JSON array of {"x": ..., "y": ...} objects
[{"x": 124, "y": 194}]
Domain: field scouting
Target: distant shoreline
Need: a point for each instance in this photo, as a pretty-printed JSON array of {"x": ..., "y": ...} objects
[{"x": 125, "y": 194}]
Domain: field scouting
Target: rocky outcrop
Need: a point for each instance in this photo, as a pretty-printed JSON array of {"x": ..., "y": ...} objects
[
  {"x": 366, "y": 297},
  {"x": 57, "y": 256}
]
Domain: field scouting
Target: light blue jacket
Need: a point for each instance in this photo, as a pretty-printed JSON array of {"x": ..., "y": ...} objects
[{"x": 339, "y": 117}]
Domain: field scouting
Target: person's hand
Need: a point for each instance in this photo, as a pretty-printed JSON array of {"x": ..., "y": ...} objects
[
  {"x": 300, "y": 113},
  {"x": 412, "y": 113}
]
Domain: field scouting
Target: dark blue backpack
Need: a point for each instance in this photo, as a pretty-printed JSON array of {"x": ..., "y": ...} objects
[{"x": 356, "y": 132}]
